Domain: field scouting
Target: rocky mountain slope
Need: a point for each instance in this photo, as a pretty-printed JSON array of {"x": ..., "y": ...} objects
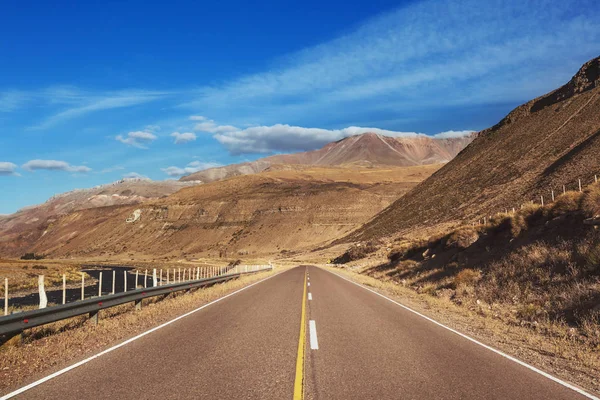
[
  {"x": 286, "y": 209},
  {"x": 368, "y": 149},
  {"x": 21, "y": 229},
  {"x": 551, "y": 141}
]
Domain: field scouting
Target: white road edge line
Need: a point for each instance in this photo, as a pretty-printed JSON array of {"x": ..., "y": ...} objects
[
  {"x": 310, "y": 296},
  {"x": 82, "y": 362},
  {"x": 511, "y": 358},
  {"x": 314, "y": 342}
]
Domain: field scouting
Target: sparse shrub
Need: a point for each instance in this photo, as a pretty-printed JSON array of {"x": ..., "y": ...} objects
[
  {"x": 467, "y": 277},
  {"x": 525, "y": 218},
  {"x": 356, "y": 252},
  {"x": 32, "y": 256},
  {"x": 590, "y": 201},
  {"x": 462, "y": 238},
  {"x": 565, "y": 203},
  {"x": 39, "y": 267},
  {"x": 530, "y": 312}
]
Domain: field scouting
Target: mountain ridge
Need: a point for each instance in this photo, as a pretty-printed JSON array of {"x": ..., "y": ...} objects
[{"x": 367, "y": 149}]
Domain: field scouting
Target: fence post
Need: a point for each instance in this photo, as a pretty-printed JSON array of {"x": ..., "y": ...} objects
[
  {"x": 553, "y": 196},
  {"x": 82, "y": 286},
  {"x": 580, "y": 185},
  {"x": 100, "y": 285},
  {"x": 64, "y": 289},
  {"x": 564, "y": 189},
  {"x": 42, "y": 290},
  {"x": 154, "y": 281},
  {"x": 113, "y": 282},
  {"x": 5, "y": 296},
  {"x": 542, "y": 197},
  {"x": 125, "y": 280},
  {"x": 596, "y": 178},
  {"x": 146, "y": 278}
]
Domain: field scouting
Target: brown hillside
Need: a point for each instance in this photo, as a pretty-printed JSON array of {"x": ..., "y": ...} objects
[
  {"x": 290, "y": 208},
  {"x": 540, "y": 146},
  {"x": 368, "y": 149},
  {"x": 22, "y": 229}
]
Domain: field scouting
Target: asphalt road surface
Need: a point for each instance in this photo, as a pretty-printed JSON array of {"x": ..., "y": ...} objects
[{"x": 357, "y": 345}]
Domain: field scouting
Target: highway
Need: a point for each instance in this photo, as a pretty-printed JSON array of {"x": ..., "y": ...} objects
[{"x": 355, "y": 345}]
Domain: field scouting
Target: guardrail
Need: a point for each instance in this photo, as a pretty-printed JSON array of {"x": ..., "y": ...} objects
[{"x": 16, "y": 323}]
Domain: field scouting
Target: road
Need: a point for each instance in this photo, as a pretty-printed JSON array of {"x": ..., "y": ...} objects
[{"x": 246, "y": 346}]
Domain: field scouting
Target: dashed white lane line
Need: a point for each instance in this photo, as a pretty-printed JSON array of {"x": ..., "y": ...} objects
[
  {"x": 310, "y": 296},
  {"x": 308, "y": 283},
  {"x": 314, "y": 343}
]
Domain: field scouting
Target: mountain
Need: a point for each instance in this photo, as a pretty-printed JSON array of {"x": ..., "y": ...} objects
[
  {"x": 548, "y": 142},
  {"x": 368, "y": 149},
  {"x": 286, "y": 209},
  {"x": 25, "y": 227}
]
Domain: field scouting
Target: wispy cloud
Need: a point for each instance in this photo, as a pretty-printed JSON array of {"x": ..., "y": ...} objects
[
  {"x": 54, "y": 165},
  {"x": 421, "y": 55},
  {"x": 137, "y": 139},
  {"x": 192, "y": 167},
  {"x": 183, "y": 137},
  {"x": 8, "y": 168}
]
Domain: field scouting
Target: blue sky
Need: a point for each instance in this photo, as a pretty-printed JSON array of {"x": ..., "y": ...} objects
[{"x": 91, "y": 92}]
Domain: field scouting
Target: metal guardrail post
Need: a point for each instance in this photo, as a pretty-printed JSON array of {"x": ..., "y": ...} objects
[{"x": 13, "y": 324}]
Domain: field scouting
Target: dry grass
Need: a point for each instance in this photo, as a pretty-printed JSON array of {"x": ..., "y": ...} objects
[
  {"x": 23, "y": 275},
  {"x": 553, "y": 347},
  {"x": 51, "y": 347},
  {"x": 537, "y": 269}
]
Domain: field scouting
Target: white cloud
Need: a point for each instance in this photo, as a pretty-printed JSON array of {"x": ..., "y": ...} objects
[
  {"x": 137, "y": 139},
  {"x": 135, "y": 175},
  {"x": 452, "y": 134},
  {"x": 197, "y": 118},
  {"x": 286, "y": 138},
  {"x": 7, "y": 168},
  {"x": 54, "y": 165},
  {"x": 183, "y": 137},
  {"x": 192, "y": 167}
]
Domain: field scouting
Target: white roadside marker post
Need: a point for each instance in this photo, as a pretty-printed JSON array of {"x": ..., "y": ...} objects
[
  {"x": 64, "y": 289},
  {"x": 5, "y": 296},
  {"x": 580, "y": 185},
  {"x": 542, "y": 197},
  {"x": 42, "y": 291},
  {"x": 100, "y": 285},
  {"x": 553, "y": 196},
  {"x": 124, "y": 281},
  {"x": 167, "y": 276},
  {"x": 145, "y": 278},
  {"x": 154, "y": 278},
  {"x": 82, "y": 286},
  {"x": 136, "y": 279},
  {"x": 113, "y": 282},
  {"x": 161, "y": 280}
]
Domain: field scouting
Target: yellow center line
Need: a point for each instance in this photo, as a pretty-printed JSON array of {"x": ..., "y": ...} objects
[{"x": 299, "y": 381}]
